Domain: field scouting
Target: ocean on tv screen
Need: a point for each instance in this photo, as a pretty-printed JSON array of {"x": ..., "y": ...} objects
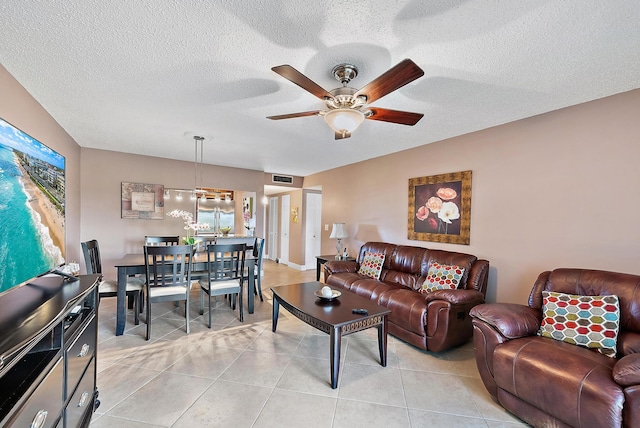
[{"x": 31, "y": 207}]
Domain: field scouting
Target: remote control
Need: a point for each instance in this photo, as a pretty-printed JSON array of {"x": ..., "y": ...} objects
[{"x": 360, "y": 311}]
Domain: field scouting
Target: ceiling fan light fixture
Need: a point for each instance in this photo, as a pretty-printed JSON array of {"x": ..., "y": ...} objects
[{"x": 344, "y": 120}]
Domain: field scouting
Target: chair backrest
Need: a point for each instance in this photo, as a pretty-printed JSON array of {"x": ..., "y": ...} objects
[
  {"x": 258, "y": 250},
  {"x": 203, "y": 240},
  {"x": 225, "y": 261},
  {"x": 168, "y": 264},
  {"x": 91, "y": 251},
  {"x": 161, "y": 240}
]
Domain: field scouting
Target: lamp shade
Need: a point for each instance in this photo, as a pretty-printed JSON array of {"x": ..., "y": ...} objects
[
  {"x": 344, "y": 119},
  {"x": 339, "y": 231}
]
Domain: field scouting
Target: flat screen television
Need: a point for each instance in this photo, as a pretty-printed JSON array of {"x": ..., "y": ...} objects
[{"x": 32, "y": 211}]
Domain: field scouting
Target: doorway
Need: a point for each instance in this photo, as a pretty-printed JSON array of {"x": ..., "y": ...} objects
[
  {"x": 313, "y": 229},
  {"x": 272, "y": 247},
  {"x": 284, "y": 229}
]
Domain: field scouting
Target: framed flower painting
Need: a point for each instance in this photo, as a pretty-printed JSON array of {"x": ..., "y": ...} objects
[{"x": 440, "y": 208}]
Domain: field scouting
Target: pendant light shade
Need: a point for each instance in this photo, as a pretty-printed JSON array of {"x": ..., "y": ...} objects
[{"x": 344, "y": 120}]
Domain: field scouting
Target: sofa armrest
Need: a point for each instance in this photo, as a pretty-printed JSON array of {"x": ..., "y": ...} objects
[
  {"x": 626, "y": 372},
  {"x": 456, "y": 297},
  {"x": 509, "y": 319},
  {"x": 339, "y": 266}
]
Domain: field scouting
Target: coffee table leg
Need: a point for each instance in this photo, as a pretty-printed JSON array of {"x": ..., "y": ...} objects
[
  {"x": 382, "y": 342},
  {"x": 274, "y": 314},
  {"x": 335, "y": 337}
]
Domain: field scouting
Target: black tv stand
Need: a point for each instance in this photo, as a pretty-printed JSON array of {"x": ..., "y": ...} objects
[{"x": 48, "y": 337}]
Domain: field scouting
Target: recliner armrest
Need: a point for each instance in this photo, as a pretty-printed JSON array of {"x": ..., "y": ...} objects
[
  {"x": 626, "y": 372},
  {"x": 456, "y": 296},
  {"x": 339, "y": 266},
  {"x": 509, "y": 319}
]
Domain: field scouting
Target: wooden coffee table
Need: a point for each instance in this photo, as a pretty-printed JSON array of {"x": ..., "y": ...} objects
[{"x": 332, "y": 317}]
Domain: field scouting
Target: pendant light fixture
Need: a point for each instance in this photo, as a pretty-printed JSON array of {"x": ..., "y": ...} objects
[
  {"x": 197, "y": 192},
  {"x": 198, "y": 167}
]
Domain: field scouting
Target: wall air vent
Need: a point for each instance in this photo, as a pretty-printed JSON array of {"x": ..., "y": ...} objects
[{"x": 281, "y": 179}]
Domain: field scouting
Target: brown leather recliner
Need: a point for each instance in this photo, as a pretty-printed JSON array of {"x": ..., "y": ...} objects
[
  {"x": 551, "y": 383},
  {"x": 433, "y": 321}
]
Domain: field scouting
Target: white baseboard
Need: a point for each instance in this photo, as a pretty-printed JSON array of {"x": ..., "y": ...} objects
[{"x": 296, "y": 266}]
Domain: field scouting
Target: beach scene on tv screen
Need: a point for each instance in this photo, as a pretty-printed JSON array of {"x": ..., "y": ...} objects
[{"x": 32, "y": 211}]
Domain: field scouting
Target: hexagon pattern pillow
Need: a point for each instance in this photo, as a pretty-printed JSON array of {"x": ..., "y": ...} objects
[
  {"x": 590, "y": 321},
  {"x": 371, "y": 265},
  {"x": 442, "y": 277}
]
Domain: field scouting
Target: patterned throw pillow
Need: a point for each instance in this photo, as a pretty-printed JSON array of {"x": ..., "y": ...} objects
[
  {"x": 442, "y": 277},
  {"x": 589, "y": 321},
  {"x": 371, "y": 265}
]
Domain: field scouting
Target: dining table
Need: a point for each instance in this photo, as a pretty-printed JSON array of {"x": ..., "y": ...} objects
[{"x": 133, "y": 264}]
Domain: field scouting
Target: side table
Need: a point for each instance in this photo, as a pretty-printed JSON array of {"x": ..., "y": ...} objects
[{"x": 320, "y": 260}]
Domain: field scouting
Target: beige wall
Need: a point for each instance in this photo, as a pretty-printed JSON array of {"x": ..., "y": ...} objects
[
  {"x": 559, "y": 189},
  {"x": 102, "y": 175},
  {"x": 296, "y": 230},
  {"x": 20, "y": 109},
  {"x": 556, "y": 190}
]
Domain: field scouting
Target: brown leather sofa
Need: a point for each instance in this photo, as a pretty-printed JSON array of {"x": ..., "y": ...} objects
[
  {"x": 434, "y": 321},
  {"x": 550, "y": 383}
]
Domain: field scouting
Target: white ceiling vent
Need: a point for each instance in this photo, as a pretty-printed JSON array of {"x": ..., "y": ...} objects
[{"x": 287, "y": 179}]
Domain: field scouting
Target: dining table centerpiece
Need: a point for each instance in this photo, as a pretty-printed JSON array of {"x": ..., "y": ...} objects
[
  {"x": 190, "y": 225},
  {"x": 247, "y": 222}
]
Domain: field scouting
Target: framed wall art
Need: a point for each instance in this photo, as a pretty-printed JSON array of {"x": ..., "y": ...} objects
[
  {"x": 142, "y": 201},
  {"x": 440, "y": 208}
]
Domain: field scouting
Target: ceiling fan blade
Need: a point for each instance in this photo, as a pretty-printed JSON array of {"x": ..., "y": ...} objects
[
  {"x": 395, "y": 78},
  {"x": 394, "y": 116},
  {"x": 301, "y": 80},
  {"x": 292, "y": 115}
]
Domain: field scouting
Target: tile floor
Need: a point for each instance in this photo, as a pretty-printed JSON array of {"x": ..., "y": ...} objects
[{"x": 243, "y": 375}]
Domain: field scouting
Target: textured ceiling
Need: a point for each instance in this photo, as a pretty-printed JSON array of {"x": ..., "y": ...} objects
[{"x": 144, "y": 76}]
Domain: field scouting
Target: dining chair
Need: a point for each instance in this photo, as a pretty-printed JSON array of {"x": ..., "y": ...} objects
[
  {"x": 109, "y": 287},
  {"x": 169, "y": 277},
  {"x": 224, "y": 275},
  {"x": 161, "y": 240},
  {"x": 258, "y": 250},
  {"x": 201, "y": 246}
]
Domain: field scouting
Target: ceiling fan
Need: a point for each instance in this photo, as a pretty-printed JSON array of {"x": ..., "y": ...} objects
[{"x": 347, "y": 107}]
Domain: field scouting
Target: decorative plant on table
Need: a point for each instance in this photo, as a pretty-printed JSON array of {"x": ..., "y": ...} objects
[
  {"x": 189, "y": 225},
  {"x": 247, "y": 217}
]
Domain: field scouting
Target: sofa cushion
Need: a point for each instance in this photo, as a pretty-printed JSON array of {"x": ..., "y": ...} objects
[
  {"x": 408, "y": 308},
  {"x": 442, "y": 277},
  {"x": 594, "y": 283},
  {"x": 371, "y": 265},
  {"x": 589, "y": 321},
  {"x": 568, "y": 382},
  {"x": 372, "y": 289},
  {"x": 343, "y": 279},
  {"x": 465, "y": 261}
]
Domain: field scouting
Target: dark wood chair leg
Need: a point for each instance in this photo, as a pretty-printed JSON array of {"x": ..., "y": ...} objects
[{"x": 136, "y": 305}]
